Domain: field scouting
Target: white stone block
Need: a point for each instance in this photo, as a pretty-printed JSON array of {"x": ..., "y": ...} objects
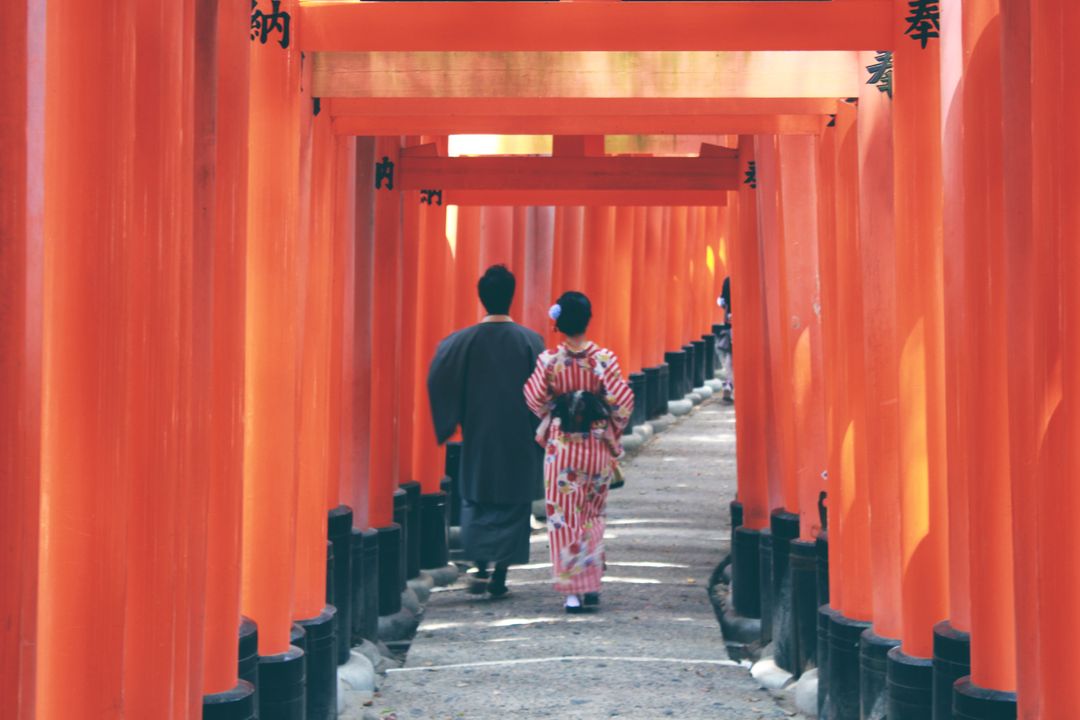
[{"x": 770, "y": 675}]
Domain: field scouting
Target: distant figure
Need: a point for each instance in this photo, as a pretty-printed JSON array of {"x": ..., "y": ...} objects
[
  {"x": 584, "y": 404},
  {"x": 723, "y": 344},
  {"x": 725, "y": 299},
  {"x": 475, "y": 381}
]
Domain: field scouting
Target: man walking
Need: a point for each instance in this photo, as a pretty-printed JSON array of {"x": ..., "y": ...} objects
[
  {"x": 723, "y": 344},
  {"x": 475, "y": 381}
]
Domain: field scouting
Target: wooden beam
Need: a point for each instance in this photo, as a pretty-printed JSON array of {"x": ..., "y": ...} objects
[
  {"x": 580, "y": 198},
  {"x": 585, "y": 74},
  {"x": 573, "y": 116},
  {"x": 638, "y": 125},
  {"x": 689, "y": 145},
  {"x": 612, "y": 26},
  {"x": 415, "y": 172},
  {"x": 600, "y": 106}
]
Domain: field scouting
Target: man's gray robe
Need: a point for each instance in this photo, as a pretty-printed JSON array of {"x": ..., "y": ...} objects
[{"x": 476, "y": 381}]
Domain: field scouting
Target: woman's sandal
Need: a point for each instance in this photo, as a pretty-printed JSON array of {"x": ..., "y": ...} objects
[{"x": 573, "y": 605}]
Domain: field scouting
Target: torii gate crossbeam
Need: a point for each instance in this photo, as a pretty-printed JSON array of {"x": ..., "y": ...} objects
[{"x": 614, "y": 26}]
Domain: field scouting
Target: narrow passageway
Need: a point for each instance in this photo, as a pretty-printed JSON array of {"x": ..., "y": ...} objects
[{"x": 653, "y": 651}]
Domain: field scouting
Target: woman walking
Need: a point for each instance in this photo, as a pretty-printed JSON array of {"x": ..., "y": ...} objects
[{"x": 584, "y": 404}]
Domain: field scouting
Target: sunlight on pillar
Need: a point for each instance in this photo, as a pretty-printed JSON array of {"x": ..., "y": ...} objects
[
  {"x": 451, "y": 229},
  {"x": 802, "y": 372},
  {"x": 847, "y": 471},
  {"x": 1051, "y": 401},
  {"x": 913, "y": 445}
]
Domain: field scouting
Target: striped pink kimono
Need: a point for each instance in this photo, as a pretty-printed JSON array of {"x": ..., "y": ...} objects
[{"x": 578, "y": 466}]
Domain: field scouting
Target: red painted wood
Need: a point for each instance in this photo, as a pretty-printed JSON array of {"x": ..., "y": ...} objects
[
  {"x": 918, "y": 258},
  {"x": 781, "y": 25},
  {"x": 225, "y": 503},
  {"x": 1032, "y": 292},
  {"x": 22, "y": 175},
  {"x": 357, "y": 484},
  {"x": 881, "y": 552},
  {"x": 272, "y": 322},
  {"x": 1049, "y": 521},
  {"x": 584, "y": 198},
  {"x": 852, "y": 574},
  {"x": 748, "y": 328},
  {"x": 955, "y": 348},
  {"x": 385, "y": 343},
  {"x": 993, "y": 639},
  {"x": 565, "y": 173}
]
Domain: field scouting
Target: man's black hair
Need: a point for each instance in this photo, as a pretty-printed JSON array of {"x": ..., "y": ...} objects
[{"x": 496, "y": 288}]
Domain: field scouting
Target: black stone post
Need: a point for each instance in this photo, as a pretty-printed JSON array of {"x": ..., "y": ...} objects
[
  {"x": 785, "y": 529},
  {"x": 365, "y": 585},
  {"x": 329, "y": 594},
  {"x": 710, "y": 356},
  {"x": 298, "y": 637},
  {"x": 235, "y": 704},
  {"x": 971, "y": 702},
  {"x": 637, "y": 384},
  {"x": 873, "y": 663},
  {"x": 952, "y": 661},
  {"x": 765, "y": 582},
  {"x": 435, "y": 548},
  {"x": 339, "y": 531},
  {"x": 699, "y": 363},
  {"x": 390, "y": 570},
  {"x": 735, "y": 508},
  {"x": 824, "y": 625},
  {"x": 238, "y": 704},
  {"x": 844, "y": 689},
  {"x": 401, "y": 518},
  {"x": 803, "y": 562},
  {"x": 665, "y": 385},
  {"x": 746, "y": 583},
  {"x": 282, "y": 687},
  {"x": 910, "y": 686},
  {"x": 677, "y": 374},
  {"x": 412, "y": 529},
  {"x": 248, "y": 666},
  {"x": 321, "y": 653},
  {"x": 652, "y": 392},
  {"x": 823, "y": 568},
  {"x": 690, "y": 369}
]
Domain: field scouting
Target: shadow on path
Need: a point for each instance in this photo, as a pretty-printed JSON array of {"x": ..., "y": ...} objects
[{"x": 653, "y": 651}]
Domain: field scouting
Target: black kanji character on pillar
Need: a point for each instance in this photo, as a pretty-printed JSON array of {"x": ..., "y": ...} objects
[
  {"x": 431, "y": 197},
  {"x": 384, "y": 171},
  {"x": 924, "y": 20},
  {"x": 751, "y": 175},
  {"x": 881, "y": 72},
  {"x": 262, "y": 24}
]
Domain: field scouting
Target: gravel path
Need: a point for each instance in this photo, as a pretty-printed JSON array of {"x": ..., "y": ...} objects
[{"x": 653, "y": 651}]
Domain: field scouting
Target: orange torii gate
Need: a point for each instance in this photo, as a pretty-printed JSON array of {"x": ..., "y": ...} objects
[
  {"x": 744, "y": 26},
  {"x": 212, "y": 359}
]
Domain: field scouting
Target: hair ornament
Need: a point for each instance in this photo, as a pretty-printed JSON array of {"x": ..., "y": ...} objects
[{"x": 555, "y": 311}]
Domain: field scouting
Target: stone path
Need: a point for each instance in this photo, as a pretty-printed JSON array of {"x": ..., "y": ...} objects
[{"x": 653, "y": 651}]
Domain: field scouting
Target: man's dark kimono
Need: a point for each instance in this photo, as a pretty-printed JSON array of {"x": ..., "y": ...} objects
[{"x": 476, "y": 381}]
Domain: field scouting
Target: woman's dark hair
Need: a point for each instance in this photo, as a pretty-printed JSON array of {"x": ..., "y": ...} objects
[
  {"x": 575, "y": 313},
  {"x": 496, "y": 289}
]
